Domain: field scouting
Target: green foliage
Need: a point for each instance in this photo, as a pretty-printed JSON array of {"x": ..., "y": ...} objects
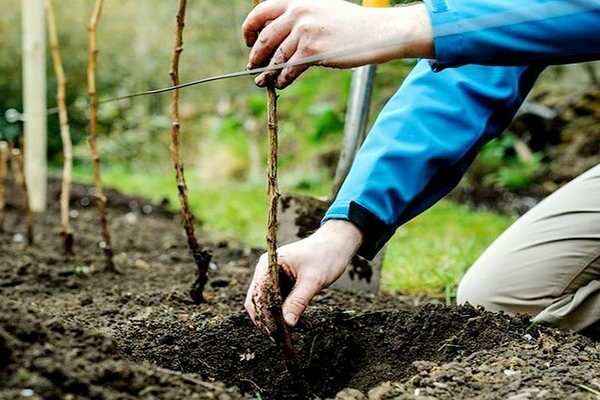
[
  {"x": 257, "y": 104},
  {"x": 327, "y": 121},
  {"x": 517, "y": 175},
  {"x": 498, "y": 165},
  {"x": 433, "y": 251}
]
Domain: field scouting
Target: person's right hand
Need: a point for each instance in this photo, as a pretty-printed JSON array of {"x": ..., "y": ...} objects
[
  {"x": 312, "y": 264},
  {"x": 282, "y": 31}
]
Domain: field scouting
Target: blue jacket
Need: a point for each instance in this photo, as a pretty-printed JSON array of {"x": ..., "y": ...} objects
[{"x": 489, "y": 54}]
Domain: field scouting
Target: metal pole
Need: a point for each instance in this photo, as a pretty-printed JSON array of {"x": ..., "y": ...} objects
[
  {"x": 357, "y": 118},
  {"x": 34, "y": 101}
]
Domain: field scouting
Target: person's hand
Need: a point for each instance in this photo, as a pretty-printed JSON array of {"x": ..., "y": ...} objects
[
  {"x": 289, "y": 30},
  {"x": 312, "y": 264}
]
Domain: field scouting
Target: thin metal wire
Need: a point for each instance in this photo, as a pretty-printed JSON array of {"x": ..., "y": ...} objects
[
  {"x": 256, "y": 71},
  {"x": 550, "y": 9}
]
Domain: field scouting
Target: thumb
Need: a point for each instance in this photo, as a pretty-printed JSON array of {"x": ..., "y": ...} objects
[{"x": 298, "y": 299}]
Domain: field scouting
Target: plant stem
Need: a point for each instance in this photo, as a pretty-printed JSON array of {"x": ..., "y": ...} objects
[
  {"x": 282, "y": 334},
  {"x": 61, "y": 88},
  {"x": 201, "y": 256},
  {"x": 92, "y": 136},
  {"x": 4, "y": 156},
  {"x": 21, "y": 182}
]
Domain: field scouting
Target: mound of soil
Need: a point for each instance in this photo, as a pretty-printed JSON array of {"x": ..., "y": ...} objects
[{"x": 69, "y": 329}]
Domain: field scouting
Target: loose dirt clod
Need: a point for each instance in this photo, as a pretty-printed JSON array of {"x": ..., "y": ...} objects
[
  {"x": 61, "y": 88},
  {"x": 92, "y": 137},
  {"x": 200, "y": 255}
]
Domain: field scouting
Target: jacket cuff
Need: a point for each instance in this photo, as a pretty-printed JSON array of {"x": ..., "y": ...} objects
[
  {"x": 375, "y": 232},
  {"x": 447, "y": 36}
]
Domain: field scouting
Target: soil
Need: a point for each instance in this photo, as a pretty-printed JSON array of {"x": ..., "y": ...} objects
[{"x": 70, "y": 330}]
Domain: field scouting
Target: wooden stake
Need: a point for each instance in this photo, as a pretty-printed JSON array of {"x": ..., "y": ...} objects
[
  {"x": 4, "y": 157},
  {"x": 21, "y": 182},
  {"x": 61, "y": 88},
  {"x": 201, "y": 256},
  {"x": 92, "y": 136},
  {"x": 275, "y": 299},
  {"x": 34, "y": 142}
]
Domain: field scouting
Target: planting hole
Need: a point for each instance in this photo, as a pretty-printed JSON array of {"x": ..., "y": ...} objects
[{"x": 337, "y": 349}]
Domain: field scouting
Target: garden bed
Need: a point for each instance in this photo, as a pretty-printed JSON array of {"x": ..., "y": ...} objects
[{"x": 70, "y": 330}]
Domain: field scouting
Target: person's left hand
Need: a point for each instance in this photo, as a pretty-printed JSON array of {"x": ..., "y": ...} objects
[{"x": 282, "y": 31}]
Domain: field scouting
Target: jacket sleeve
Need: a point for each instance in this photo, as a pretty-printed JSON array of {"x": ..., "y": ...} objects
[
  {"x": 523, "y": 32},
  {"x": 422, "y": 143}
]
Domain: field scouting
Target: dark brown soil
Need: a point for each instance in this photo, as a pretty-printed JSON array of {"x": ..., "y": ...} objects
[{"x": 68, "y": 329}]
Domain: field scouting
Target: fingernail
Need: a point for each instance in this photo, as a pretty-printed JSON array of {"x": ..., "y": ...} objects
[
  {"x": 290, "y": 319},
  {"x": 249, "y": 66}
]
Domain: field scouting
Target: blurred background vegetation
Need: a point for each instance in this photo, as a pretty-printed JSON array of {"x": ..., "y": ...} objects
[{"x": 223, "y": 126}]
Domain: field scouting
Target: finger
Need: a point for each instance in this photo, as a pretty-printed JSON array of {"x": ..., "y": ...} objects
[
  {"x": 289, "y": 74},
  {"x": 258, "y": 18},
  {"x": 281, "y": 56},
  {"x": 269, "y": 40},
  {"x": 294, "y": 305}
]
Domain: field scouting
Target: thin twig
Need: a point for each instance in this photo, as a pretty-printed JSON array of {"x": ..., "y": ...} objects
[
  {"x": 586, "y": 388},
  {"x": 61, "y": 88},
  {"x": 312, "y": 348},
  {"x": 282, "y": 334},
  {"x": 250, "y": 381},
  {"x": 189, "y": 378},
  {"x": 201, "y": 256},
  {"x": 92, "y": 136},
  {"x": 21, "y": 182},
  {"x": 4, "y": 156}
]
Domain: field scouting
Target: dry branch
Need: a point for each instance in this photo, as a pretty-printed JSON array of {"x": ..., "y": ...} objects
[
  {"x": 20, "y": 181},
  {"x": 4, "y": 157},
  {"x": 275, "y": 299},
  {"x": 92, "y": 136},
  {"x": 201, "y": 256},
  {"x": 61, "y": 88}
]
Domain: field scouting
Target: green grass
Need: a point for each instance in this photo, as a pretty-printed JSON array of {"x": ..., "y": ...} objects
[
  {"x": 432, "y": 252},
  {"x": 226, "y": 210},
  {"x": 429, "y": 254}
]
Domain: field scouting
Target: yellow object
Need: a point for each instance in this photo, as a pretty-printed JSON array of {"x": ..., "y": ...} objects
[{"x": 376, "y": 3}]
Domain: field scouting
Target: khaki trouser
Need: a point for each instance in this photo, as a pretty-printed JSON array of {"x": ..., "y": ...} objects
[{"x": 547, "y": 264}]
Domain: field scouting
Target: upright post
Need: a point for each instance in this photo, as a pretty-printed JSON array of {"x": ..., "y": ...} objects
[{"x": 34, "y": 101}]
